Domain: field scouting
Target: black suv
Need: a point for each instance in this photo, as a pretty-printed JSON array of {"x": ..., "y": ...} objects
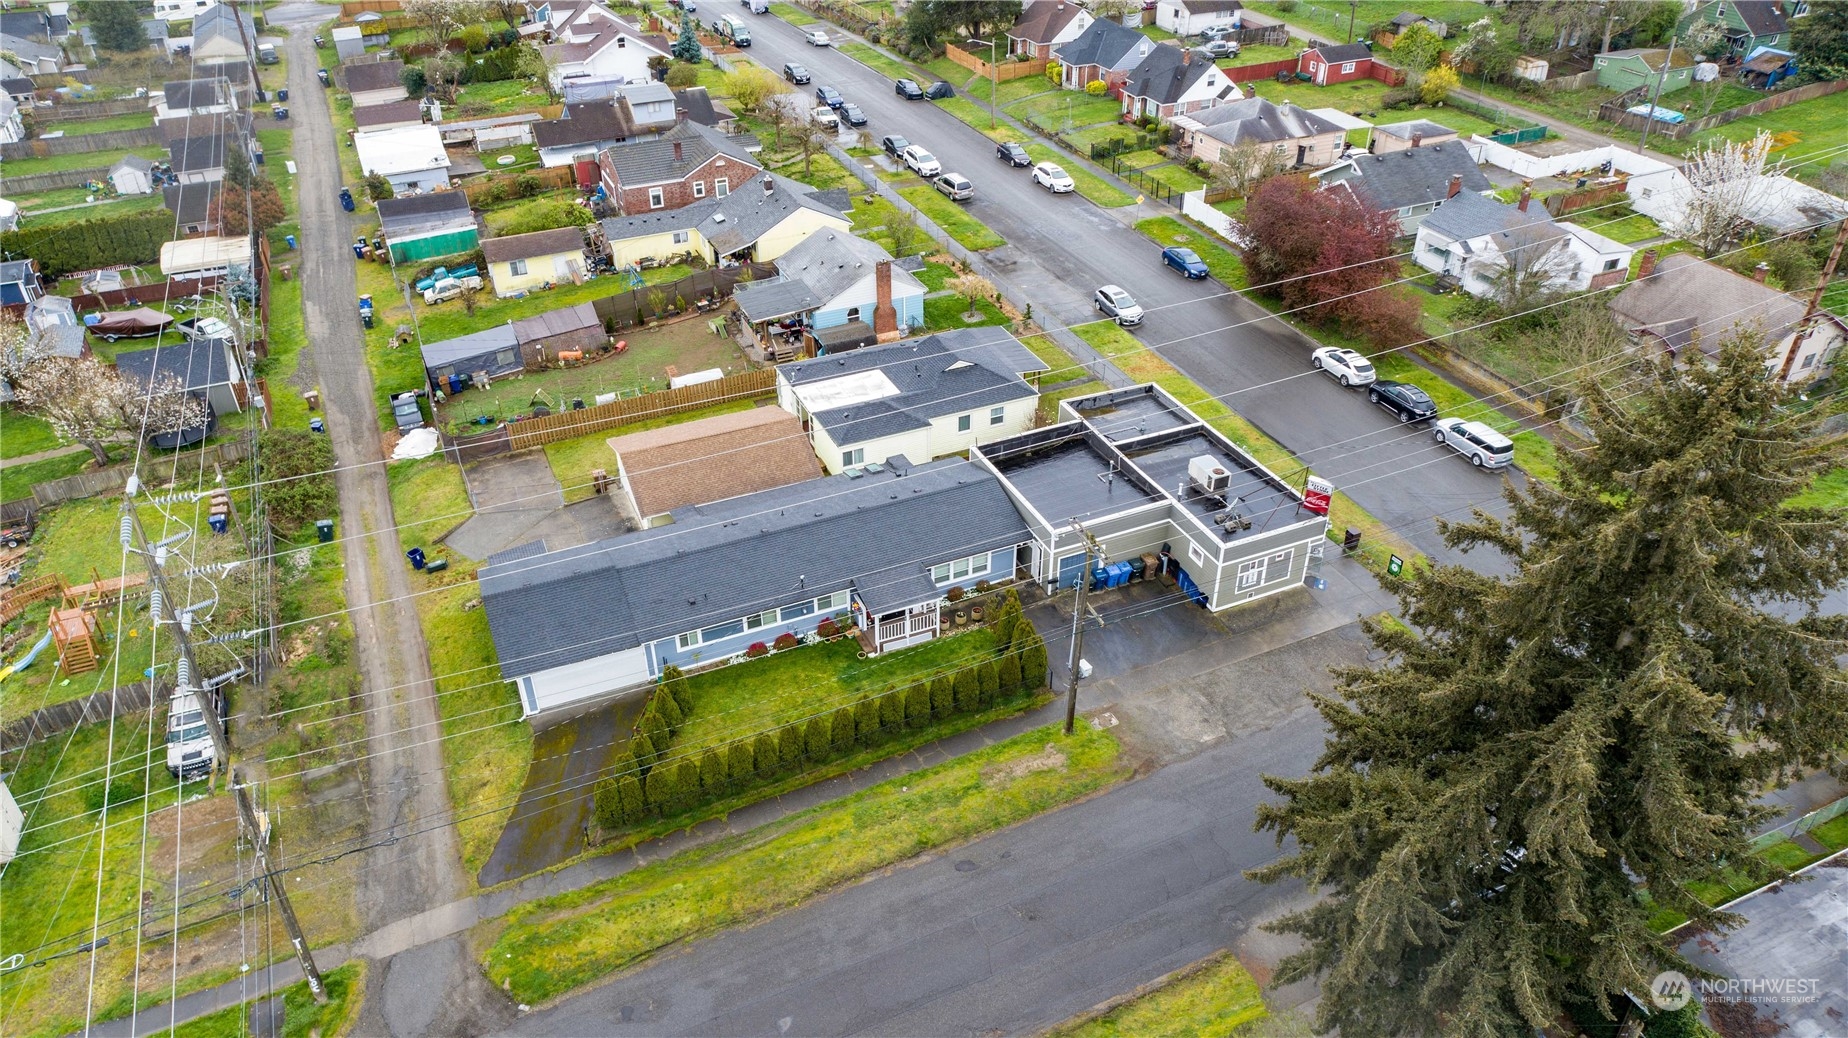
[
  {"x": 1013, "y": 154},
  {"x": 1403, "y": 399},
  {"x": 893, "y": 144},
  {"x": 796, "y": 74},
  {"x": 908, "y": 90}
]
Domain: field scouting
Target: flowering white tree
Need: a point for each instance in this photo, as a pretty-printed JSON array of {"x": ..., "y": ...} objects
[
  {"x": 85, "y": 401},
  {"x": 1722, "y": 180}
]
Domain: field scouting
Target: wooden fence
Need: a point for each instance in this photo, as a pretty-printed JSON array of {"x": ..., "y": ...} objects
[
  {"x": 629, "y": 307},
  {"x": 1561, "y": 205},
  {"x": 141, "y": 295},
  {"x": 1001, "y": 72},
  {"x": 1261, "y": 70},
  {"x": 483, "y": 191},
  {"x": 113, "y": 140},
  {"x": 82, "y": 111},
  {"x": 1614, "y": 110},
  {"x": 60, "y": 717},
  {"x": 113, "y": 478},
  {"x": 33, "y": 183},
  {"x": 565, "y": 425}
]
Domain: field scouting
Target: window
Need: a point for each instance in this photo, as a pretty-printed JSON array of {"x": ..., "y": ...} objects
[
  {"x": 853, "y": 457},
  {"x": 799, "y": 609},
  {"x": 833, "y": 603},
  {"x": 517, "y": 267},
  {"x": 853, "y": 313},
  {"x": 506, "y": 357},
  {"x": 1610, "y": 264},
  {"x": 655, "y": 198},
  {"x": 961, "y": 569},
  {"x": 622, "y": 43},
  {"x": 680, "y": 237},
  {"x": 997, "y": 415},
  {"x": 699, "y": 189},
  {"x": 963, "y": 422},
  {"x": 763, "y": 619},
  {"x": 721, "y": 187},
  {"x": 1250, "y": 574},
  {"x": 724, "y": 630},
  {"x": 1808, "y": 360},
  {"x": 1196, "y": 555},
  {"x": 688, "y": 640},
  {"x": 1347, "y": 66}
]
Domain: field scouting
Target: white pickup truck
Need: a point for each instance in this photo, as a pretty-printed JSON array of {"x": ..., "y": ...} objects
[
  {"x": 449, "y": 288},
  {"x": 826, "y": 118}
]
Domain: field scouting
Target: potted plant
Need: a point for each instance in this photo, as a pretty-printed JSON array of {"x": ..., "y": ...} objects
[
  {"x": 962, "y": 618},
  {"x": 975, "y": 612}
]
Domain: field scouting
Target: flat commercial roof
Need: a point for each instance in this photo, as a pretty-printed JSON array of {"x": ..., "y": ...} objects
[
  {"x": 854, "y": 388},
  {"x": 1071, "y": 480},
  {"x": 1253, "y": 493},
  {"x": 1125, "y": 416},
  {"x": 190, "y": 254}
]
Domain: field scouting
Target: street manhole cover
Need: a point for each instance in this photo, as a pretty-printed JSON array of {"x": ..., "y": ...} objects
[{"x": 966, "y": 865}]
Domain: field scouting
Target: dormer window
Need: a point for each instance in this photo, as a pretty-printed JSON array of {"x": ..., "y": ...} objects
[{"x": 622, "y": 42}]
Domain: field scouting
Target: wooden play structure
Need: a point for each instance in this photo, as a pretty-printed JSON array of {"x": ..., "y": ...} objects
[
  {"x": 15, "y": 600},
  {"x": 74, "y": 630},
  {"x": 103, "y": 592}
]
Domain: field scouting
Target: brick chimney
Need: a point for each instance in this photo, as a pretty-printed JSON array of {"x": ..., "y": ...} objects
[
  {"x": 1456, "y": 185},
  {"x": 1417, "y": 138},
  {"x": 680, "y": 116},
  {"x": 1527, "y": 195},
  {"x": 885, "y": 318},
  {"x": 677, "y": 151},
  {"x": 1186, "y": 56},
  {"x": 1647, "y": 267},
  {"x": 769, "y": 184},
  {"x": 1759, "y": 272}
]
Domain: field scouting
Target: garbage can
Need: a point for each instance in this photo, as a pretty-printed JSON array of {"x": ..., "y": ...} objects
[
  {"x": 1351, "y": 542},
  {"x": 324, "y": 530},
  {"x": 416, "y": 555},
  {"x": 436, "y": 566},
  {"x": 365, "y": 318},
  {"x": 316, "y": 425},
  {"x": 219, "y": 523},
  {"x": 290, "y": 238},
  {"x": 282, "y": 94}
]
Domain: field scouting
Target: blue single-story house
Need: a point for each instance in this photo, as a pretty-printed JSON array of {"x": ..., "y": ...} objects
[
  {"x": 833, "y": 279},
  {"x": 576, "y": 623}
]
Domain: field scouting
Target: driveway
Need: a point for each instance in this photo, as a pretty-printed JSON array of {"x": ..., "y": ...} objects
[
  {"x": 1061, "y": 248},
  {"x": 518, "y": 499}
]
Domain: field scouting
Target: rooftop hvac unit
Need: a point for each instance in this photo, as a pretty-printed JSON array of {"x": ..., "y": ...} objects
[{"x": 1209, "y": 475}]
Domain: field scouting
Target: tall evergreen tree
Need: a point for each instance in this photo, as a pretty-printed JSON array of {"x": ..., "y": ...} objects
[
  {"x": 663, "y": 703},
  {"x": 866, "y": 721},
  {"x": 790, "y": 744},
  {"x": 1543, "y": 744},
  {"x": 117, "y": 26},
  {"x": 686, "y": 46},
  {"x": 629, "y": 793},
  {"x": 987, "y": 683},
  {"x": 817, "y": 735},
  {"x": 764, "y": 755},
  {"x": 1008, "y": 674},
  {"x": 712, "y": 777},
  {"x": 892, "y": 710},
  {"x": 917, "y": 704},
  {"x": 841, "y": 729},
  {"x": 1032, "y": 652},
  {"x": 943, "y": 689},
  {"x": 741, "y": 763}
]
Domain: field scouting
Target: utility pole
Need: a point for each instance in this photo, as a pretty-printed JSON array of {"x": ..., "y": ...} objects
[
  {"x": 1668, "y": 62},
  {"x": 1815, "y": 303},
  {"x": 994, "y": 75},
  {"x": 1091, "y": 550},
  {"x": 257, "y": 826},
  {"x": 1353, "y": 9}
]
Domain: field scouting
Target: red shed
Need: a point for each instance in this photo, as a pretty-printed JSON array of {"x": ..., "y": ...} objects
[{"x": 1336, "y": 63}]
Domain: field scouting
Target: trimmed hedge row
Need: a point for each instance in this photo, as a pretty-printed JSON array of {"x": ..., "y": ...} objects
[
  {"x": 86, "y": 244},
  {"x": 653, "y": 782}
]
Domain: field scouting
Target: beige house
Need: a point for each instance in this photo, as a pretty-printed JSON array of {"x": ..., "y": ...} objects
[
  {"x": 1687, "y": 306},
  {"x": 753, "y": 223},
  {"x": 1404, "y": 136},
  {"x": 527, "y": 261},
  {"x": 1299, "y": 137}
]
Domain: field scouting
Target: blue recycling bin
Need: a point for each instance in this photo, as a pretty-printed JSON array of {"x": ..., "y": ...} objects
[
  {"x": 290, "y": 238},
  {"x": 1100, "y": 578},
  {"x": 346, "y": 199},
  {"x": 219, "y": 523},
  {"x": 282, "y": 94},
  {"x": 416, "y": 555},
  {"x": 1119, "y": 573},
  {"x": 316, "y": 425},
  {"x": 359, "y": 250}
]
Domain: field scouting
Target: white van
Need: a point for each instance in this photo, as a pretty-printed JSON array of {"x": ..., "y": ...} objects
[
  {"x": 189, "y": 741},
  {"x": 732, "y": 27},
  {"x": 757, "y": 6},
  {"x": 1484, "y": 447}
]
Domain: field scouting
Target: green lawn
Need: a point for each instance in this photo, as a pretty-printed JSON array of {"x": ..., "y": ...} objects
[
  {"x": 16, "y": 480},
  {"x": 978, "y": 118},
  {"x": 478, "y": 100},
  {"x": 1820, "y": 125},
  {"x": 935, "y": 275},
  {"x": 1158, "y": 169},
  {"x": 878, "y": 61},
  {"x": 1060, "y": 365},
  {"x": 24, "y": 434},
  {"x": 1362, "y": 97},
  {"x": 955, "y": 221},
  {"x": 573, "y": 460},
  {"x": 1085, "y": 138},
  {"x": 1261, "y": 53},
  {"x": 1067, "y": 109},
  {"x": 1211, "y": 997},
  {"x": 1781, "y": 854},
  {"x": 792, "y": 15},
  {"x": 552, "y": 946},
  {"x": 947, "y": 312},
  {"x": 429, "y": 498},
  {"x": 1829, "y": 490},
  {"x": 1224, "y": 264},
  {"x": 84, "y": 160},
  {"x": 739, "y": 701},
  {"x": 1330, "y": 21},
  {"x": 82, "y": 127},
  {"x": 1157, "y": 33},
  {"x": 1090, "y": 185},
  {"x": 1010, "y": 91},
  {"x": 301, "y": 1016},
  {"x": 1618, "y": 223},
  {"x": 1048, "y": 410}
]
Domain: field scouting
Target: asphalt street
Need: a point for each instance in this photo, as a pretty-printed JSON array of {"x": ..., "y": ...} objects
[
  {"x": 1061, "y": 248},
  {"x": 1029, "y": 926}
]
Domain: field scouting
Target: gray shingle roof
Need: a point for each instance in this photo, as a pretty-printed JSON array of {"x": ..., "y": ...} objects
[
  {"x": 561, "y": 321},
  {"x": 376, "y": 75},
  {"x": 1415, "y": 176},
  {"x": 622, "y": 228},
  {"x": 700, "y": 107},
  {"x": 830, "y": 262},
  {"x": 653, "y": 162},
  {"x": 1166, "y": 75},
  {"x": 19, "y": 271},
  {"x": 937, "y": 375},
  {"x": 1686, "y": 294},
  {"x": 194, "y": 363},
  {"x": 1763, "y": 17},
  {"x": 367, "y": 117},
  {"x": 1211, "y": 6},
  {"x": 1104, "y": 42},
  {"x": 197, "y": 153},
  {"x": 1424, "y": 127},
  {"x": 1256, "y": 119},
  {"x": 533, "y": 245},
  {"x": 221, "y": 19},
  {"x": 197, "y": 93},
  {"x": 750, "y": 212},
  {"x": 1335, "y": 54},
  {"x": 725, "y": 560},
  {"x": 434, "y": 209},
  {"x": 134, "y": 162},
  {"x": 773, "y": 298},
  {"x": 586, "y": 123},
  {"x": 189, "y": 203},
  {"x": 1470, "y": 216}
]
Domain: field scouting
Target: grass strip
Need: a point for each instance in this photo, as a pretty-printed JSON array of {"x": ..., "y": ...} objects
[
  {"x": 979, "y": 119},
  {"x": 1049, "y": 402},
  {"x": 26, "y": 434},
  {"x": 16, "y": 480},
  {"x": 1089, "y": 184},
  {"x": 1783, "y": 855},
  {"x": 301, "y": 1017},
  {"x": 551, "y": 946},
  {"x": 885, "y": 65},
  {"x": 1222, "y": 263},
  {"x": 1060, "y": 365},
  {"x": 1829, "y": 490},
  {"x": 955, "y": 221},
  {"x": 1210, "y": 997},
  {"x": 1142, "y": 364}
]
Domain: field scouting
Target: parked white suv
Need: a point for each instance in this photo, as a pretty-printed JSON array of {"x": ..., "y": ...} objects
[
  {"x": 921, "y": 162},
  {"x": 1484, "y": 447},
  {"x": 1346, "y": 366}
]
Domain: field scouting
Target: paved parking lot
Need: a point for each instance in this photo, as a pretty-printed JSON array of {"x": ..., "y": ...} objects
[{"x": 517, "y": 499}]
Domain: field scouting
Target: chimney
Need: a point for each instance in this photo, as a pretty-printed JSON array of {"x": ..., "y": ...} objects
[
  {"x": 677, "y": 151},
  {"x": 1647, "y": 267},
  {"x": 1417, "y": 138},
  {"x": 1527, "y": 195},
  {"x": 680, "y": 116},
  {"x": 1759, "y": 272},
  {"x": 885, "y": 318},
  {"x": 1186, "y": 56},
  {"x": 769, "y": 184}
]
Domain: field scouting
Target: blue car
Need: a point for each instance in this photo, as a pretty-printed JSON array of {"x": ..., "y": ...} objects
[{"x": 1184, "y": 260}]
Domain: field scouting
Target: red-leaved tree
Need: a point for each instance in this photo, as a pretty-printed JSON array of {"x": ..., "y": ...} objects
[{"x": 1329, "y": 255}]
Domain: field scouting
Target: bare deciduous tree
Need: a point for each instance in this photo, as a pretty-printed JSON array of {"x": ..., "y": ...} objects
[
  {"x": 1722, "y": 177},
  {"x": 1535, "y": 265},
  {"x": 1244, "y": 166},
  {"x": 445, "y": 18},
  {"x": 971, "y": 287},
  {"x": 84, "y": 401}
]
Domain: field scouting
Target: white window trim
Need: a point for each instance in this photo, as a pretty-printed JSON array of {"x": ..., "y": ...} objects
[
  {"x": 856, "y": 456},
  {"x": 1250, "y": 574},
  {"x": 699, "y": 189},
  {"x": 973, "y": 566},
  {"x": 1347, "y": 67},
  {"x": 965, "y": 422},
  {"x": 682, "y": 237},
  {"x": 657, "y": 198},
  {"x": 1196, "y": 555},
  {"x": 516, "y": 267},
  {"x": 997, "y": 415},
  {"x": 721, "y": 187}
]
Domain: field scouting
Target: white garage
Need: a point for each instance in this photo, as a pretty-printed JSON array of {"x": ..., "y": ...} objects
[{"x": 577, "y": 682}]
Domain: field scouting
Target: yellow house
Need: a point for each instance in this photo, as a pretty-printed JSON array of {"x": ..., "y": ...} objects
[
  {"x": 760, "y": 221},
  {"x": 526, "y": 261}
]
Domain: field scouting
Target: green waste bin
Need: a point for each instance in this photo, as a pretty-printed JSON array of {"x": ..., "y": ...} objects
[{"x": 324, "y": 529}]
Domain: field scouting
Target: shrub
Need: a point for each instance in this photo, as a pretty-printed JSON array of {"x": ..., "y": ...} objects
[
  {"x": 1399, "y": 97},
  {"x": 675, "y": 682},
  {"x": 866, "y": 721},
  {"x": 608, "y": 805},
  {"x": 817, "y": 736},
  {"x": 756, "y": 650},
  {"x": 765, "y": 757},
  {"x": 663, "y": 703},
  {"x": 1096, "y": 88},
  {"x": 741, "y": 763},
  {"x": 983, "y": 587},
  {"x": 1007, "y": 675},
  {"x": 661, "y": 789},
  {"x": 629, "y": 794},
  {"x": 96, "y": 243},
  {"x": 891, "y": 710},
  {"x": 712, "y": 780},
  {"x": 787, "y": 640},
  {"x": 1055, "y": 73},
  {"x": 955, "y": 594},
  {"x": 682, "y": 76},
  {"x": 827, "y": 629},
  {"x": 943, "y": 698},
  {"x": 840, "y": 729},
  {"x": 299, "y": 466},
  {"x": 686, "y": 784},
  {"x": 1007, "y": 616},
  {"x": 789, "y": 745},
  {"x": 968, "y": 693},
  {"x": 988, "y": 680},
  {"x": 642, "y": 749},
  {"x": 917, "y": 705},
  {"x": 655, "y": 727},
  {"x": 1033, "y": 662}
]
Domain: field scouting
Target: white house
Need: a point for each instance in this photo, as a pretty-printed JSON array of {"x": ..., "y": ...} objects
[
  {"x": 592, "y": 41},
  {"x": 180, "y": 10},
  {"x": 411, "y": 157},
  {"x": 216, "y": 34},
  {"x": 1482, "y": 242},
  {"x": 185, "y": 98},
  {"x": 11, "y": 128},
  {"x": 922, "y": 398},
  {"x": 1192, "y": 17}
]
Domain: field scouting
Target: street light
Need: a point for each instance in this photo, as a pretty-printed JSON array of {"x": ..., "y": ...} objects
[{"x": 994, "y": 78}]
